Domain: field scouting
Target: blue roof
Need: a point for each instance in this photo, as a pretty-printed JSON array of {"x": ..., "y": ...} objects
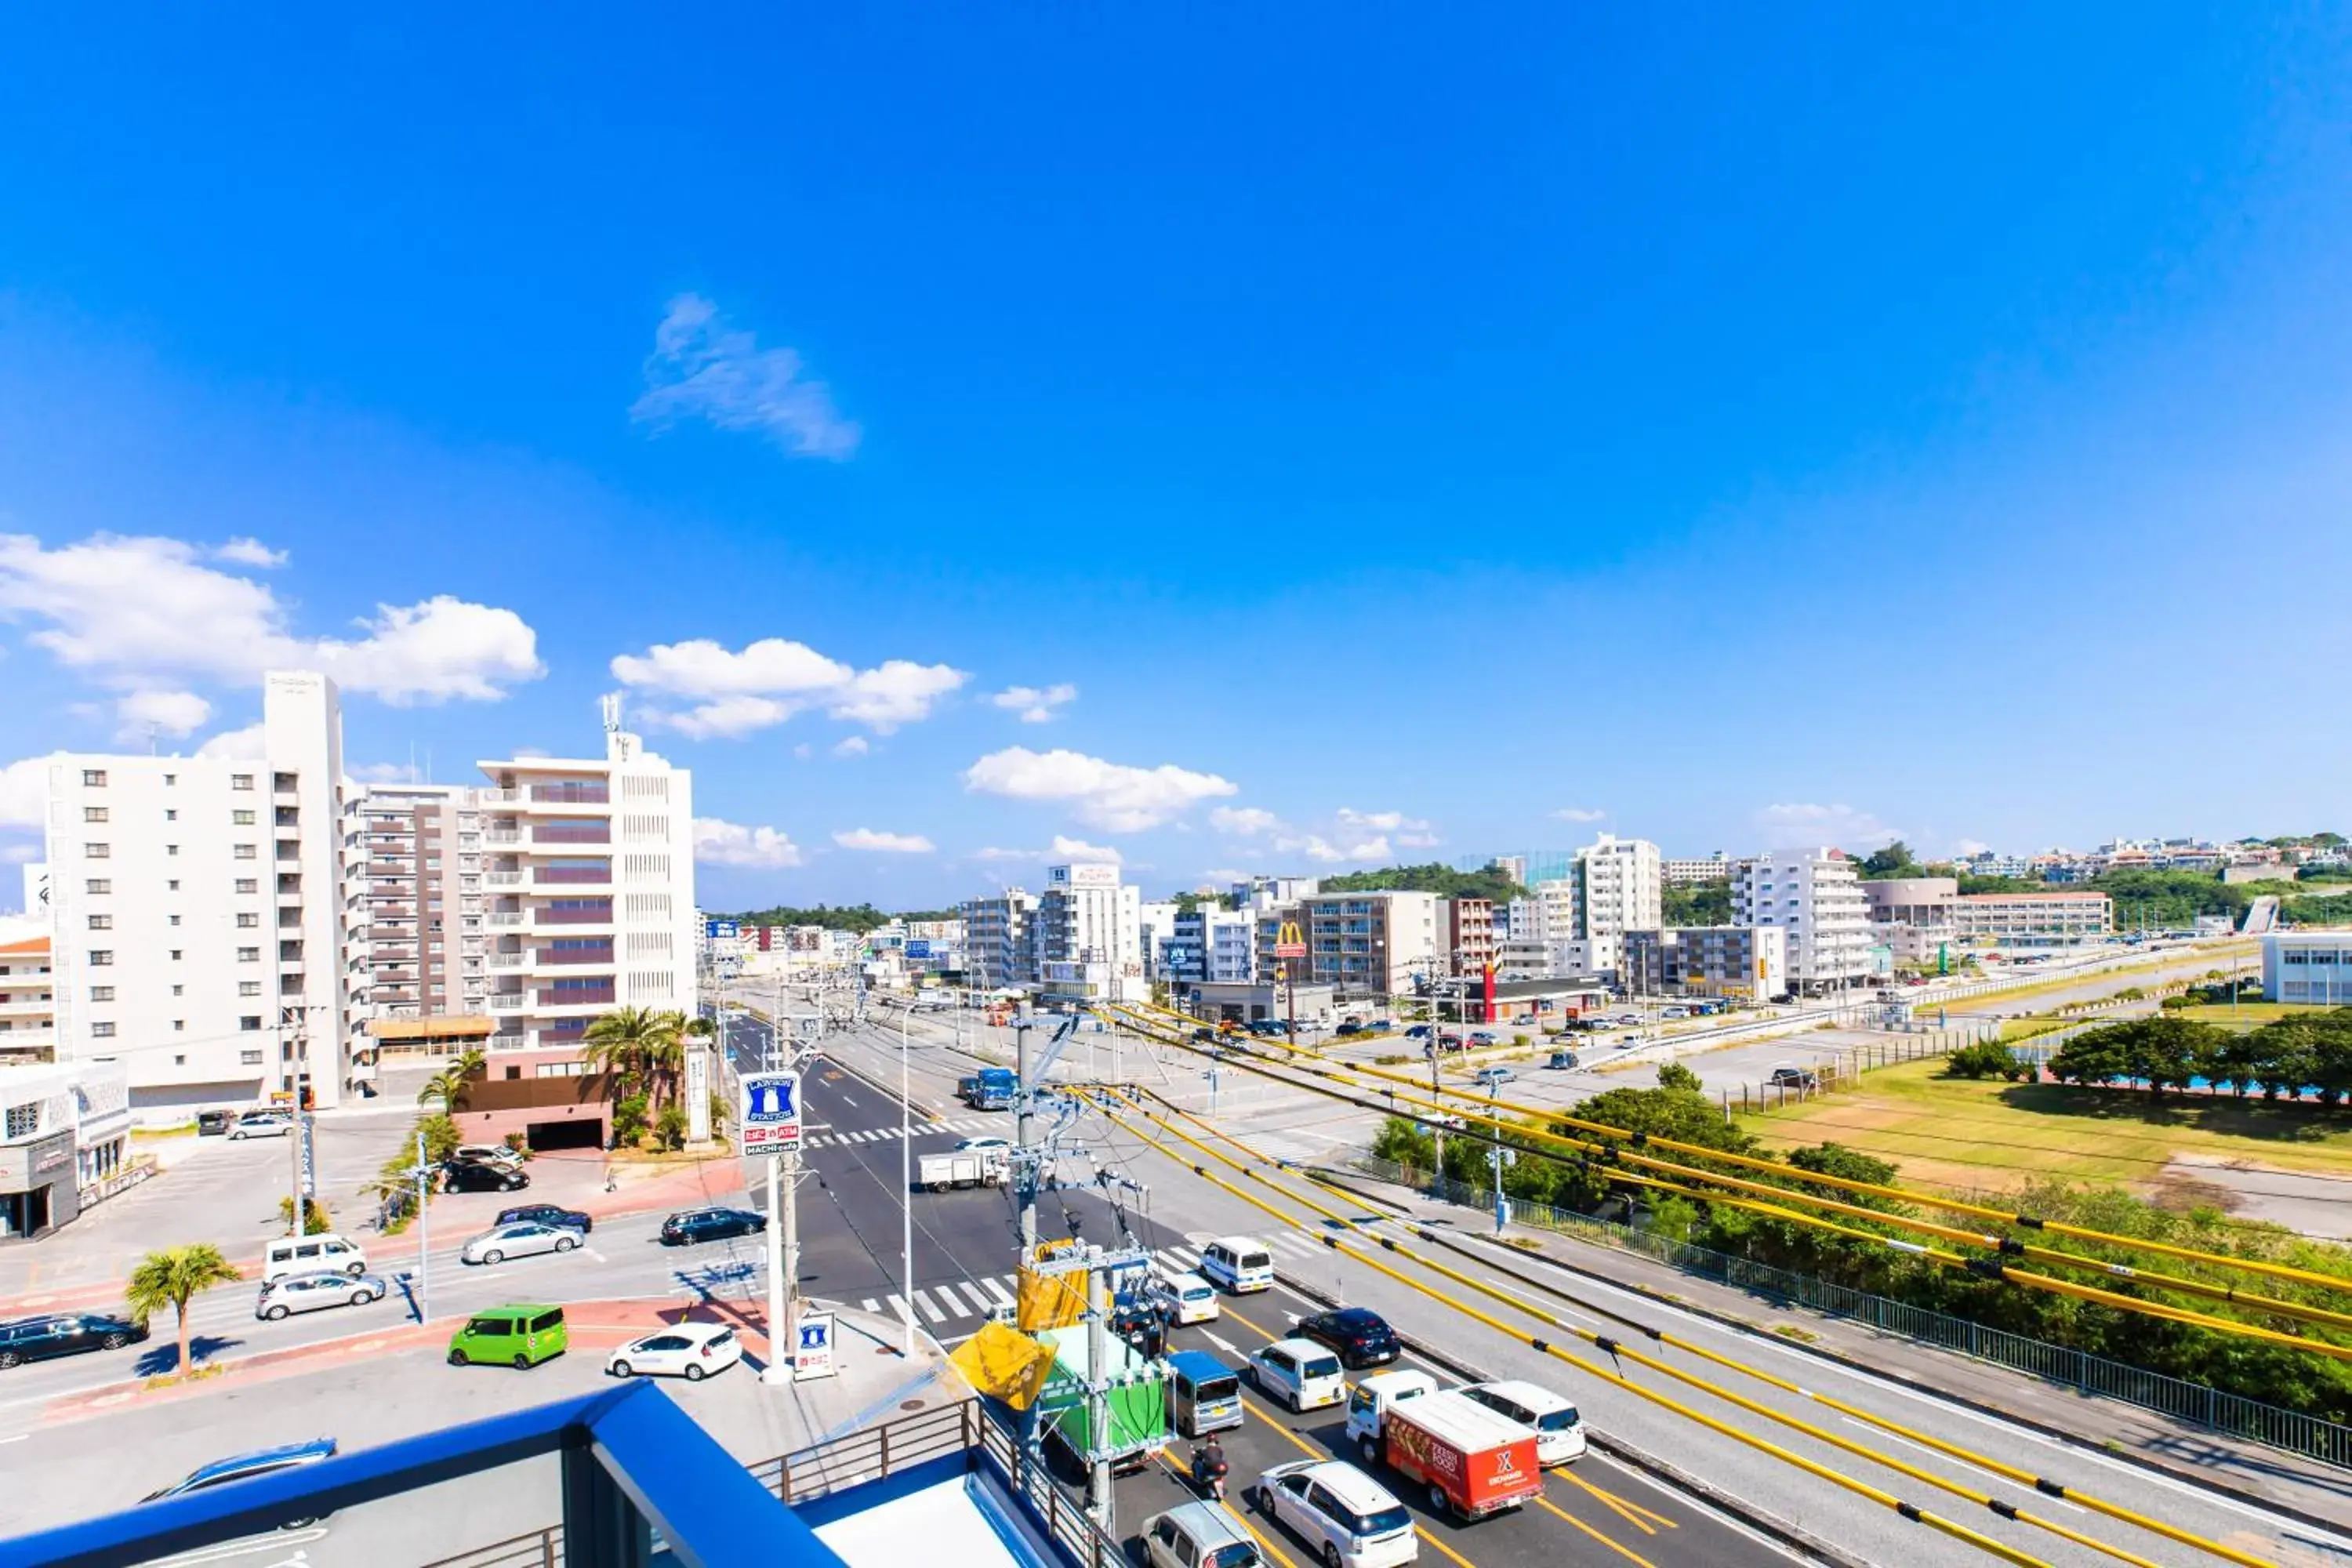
[{"x": 1196, "y": 1365}]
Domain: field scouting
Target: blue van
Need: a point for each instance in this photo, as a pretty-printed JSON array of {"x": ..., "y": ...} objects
[{"x": 1205, "y": 1395}]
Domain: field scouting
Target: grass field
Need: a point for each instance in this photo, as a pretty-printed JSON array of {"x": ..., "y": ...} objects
[{"x": 1988, "y": 1135}]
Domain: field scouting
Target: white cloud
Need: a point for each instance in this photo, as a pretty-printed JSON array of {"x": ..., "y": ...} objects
[
  {"x": 244, "y": 745},
  {"x": 703, "y": 369},
  {"x": 803, "y": 750},
  {"x": 1802, "y": 824},
  {"x": 1224, "y": 874},
  {"x": 993, "y": 852},
  {"x": 24, "y": 793},
  {"x": 773, "y": 679},
  {"x": 1964, "y": 848},
  {"x": 1579, "y": 814},
  {"x": 852, "y": 746},
  {"x": 1418, "y": 840},
  {"x": 1034, "y": 703},
  {"x": 884, "y": 843},
  {"x": 721, "y": 843},
  {"x": 1113, "y": 796},
  {"x": 249, "y": 553},
  {"x": 1382, "y": 821},
  {"x": 1078, "y": 851},
  {"x": 146, "y": 713},
  {"x": 1243, "y": 821},
  {"x": 1317, "y": 848},
  {"x": 142, "y": 612},
  {"x": 383, "y": 773}
]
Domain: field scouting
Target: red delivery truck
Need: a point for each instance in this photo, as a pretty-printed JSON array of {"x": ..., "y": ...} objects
[{"x": 1474, "y": 1461}]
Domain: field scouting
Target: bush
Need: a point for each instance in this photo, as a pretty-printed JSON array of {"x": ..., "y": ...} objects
[
  {"x": 441, "y": 1137},
  {"x": 1986, "y": 1059},
  {"x": 628, "y": 1120},
  {"x": 522, "y": 1145},
  {"x": 315, "y": 1217},
  {"x": 670, "y": 1127},
  {"x": 1674, "y": 1074}
]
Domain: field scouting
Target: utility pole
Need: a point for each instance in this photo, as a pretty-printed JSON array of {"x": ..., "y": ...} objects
[
  {"x": 1099, "y": 1399},
  {"x": 424, "y": 1237},
  {"x": 295, "y": 1016},
  {"x": 1024, "y": 1190},
  {"x": 784, "y": 1232}
]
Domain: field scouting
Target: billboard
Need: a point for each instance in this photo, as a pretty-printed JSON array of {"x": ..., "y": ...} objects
[
  {"x": 917, "y": 948},
  {"x": 769, "y": 1112},
  {"x": 720, "y": 931}
]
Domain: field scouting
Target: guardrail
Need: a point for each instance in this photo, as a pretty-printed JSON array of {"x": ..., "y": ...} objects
[{"x": 2211, "y": 1408}]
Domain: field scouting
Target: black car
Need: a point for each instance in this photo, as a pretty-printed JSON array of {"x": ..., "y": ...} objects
[
  {"x": 473, "y": 1176},
  {"x": 1140, "y": 1323},
  {"x": 1363, "y": 1338},
  {"x": 214, "y": 1124},
  {"x": 548, "y": 1214},
  {"x": 66, "y": 1333},
  {"x": 710, "y": 1225}
]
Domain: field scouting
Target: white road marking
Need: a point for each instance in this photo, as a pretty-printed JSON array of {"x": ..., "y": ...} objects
[
  {"x": 871, "y": 1305},
  {"x": 978, "y": 1299},
  {"x": 1224, "y": 1344},
  {"x": 1002, "y": 1298},
  {"x": 933, "y": 1313},
  {"x": 899, "y": 1310}
]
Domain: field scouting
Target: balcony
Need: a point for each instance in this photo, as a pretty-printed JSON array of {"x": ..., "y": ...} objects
[
  {"x": 508, "y": 960},
  {"x": 570, "y": 876},
  {"x": 509, "y": 916},
  {"x": 503, "y": 879},
  {"x": 583, "y": 793},
  {"x": 577, "y": 996},
  {"x": 602, "y": 916},
  {"x": 547, "y": 957},
  {"x": 506, "y": 1001},
  {"x": 561, "y": 833},
  {"x": 504, "y": 834}
]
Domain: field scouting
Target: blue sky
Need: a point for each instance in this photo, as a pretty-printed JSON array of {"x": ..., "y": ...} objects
[{"x": 1337, "y": 434}]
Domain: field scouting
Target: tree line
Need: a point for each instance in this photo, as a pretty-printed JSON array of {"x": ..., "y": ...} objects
[
  {"x": 1677, "y": 1109},
  {"x": 858, "y": 918},
  {"x": 2309, "y": 1053},
  {"x": 1435, "y": 878}
]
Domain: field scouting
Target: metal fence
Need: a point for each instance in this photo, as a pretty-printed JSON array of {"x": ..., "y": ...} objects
[{"x": 2212, "y": 1408}]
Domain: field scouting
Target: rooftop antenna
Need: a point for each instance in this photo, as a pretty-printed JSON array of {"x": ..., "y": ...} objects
[{"x": 611, "y": 703}]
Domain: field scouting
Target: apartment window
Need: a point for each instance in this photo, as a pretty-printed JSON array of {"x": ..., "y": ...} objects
[
  {"x": 102, "y": 993},
  {"x": 241, "y": 818},
  {"x": 240, "y": 781},
  {"x": 100, "y": 956},
  {"x": 245, "y": 988},
  {"x": 250, "y": 1023},
  {"x": 248, "y": 955},
  {"x": 94, "y": 851},
  {"x": 179, "y": 990},
  {"x": 93, "y": 813},
  {"x": 245, "y": 921},
  {"x": 97, "y": 885},
  {"x": 93, "y": 778},
  {"x": 249, "y": 1059},
  {"x": 173, "y": 918},
  {"x": 248, "y": 885},
  {"x": 244, "y": 852},
  {"x": 175, "y": 958},
  {"x": 171, "y": 779},
  {"x": 102, "y": 1031},
  {"x": 179, "y": 1026},
  {"x": 24, "y": 1121},
  {"x": 173, "y": 885},
  {"x": 171, "y": 849},
  {"x": 179, "y": 1061},
  {"x": 101, "y": 923}
]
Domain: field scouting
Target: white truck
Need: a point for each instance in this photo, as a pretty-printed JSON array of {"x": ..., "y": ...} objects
[{"x": 960, "y": 1168}]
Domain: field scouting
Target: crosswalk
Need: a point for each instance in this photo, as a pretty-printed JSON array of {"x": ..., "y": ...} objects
[
  {"x": 884, "y": 1134},
  {"x": 958, "y": 1307}
]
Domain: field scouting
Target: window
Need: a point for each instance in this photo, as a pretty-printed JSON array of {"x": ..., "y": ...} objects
[
  {"x": 179, "y": 990},
  {"x": 248, "y": 955},
  {"x": 249, "y": 1059},
  {"x": 179, "y": 1026},
  {"x": 243, "y": 988},
  {"x": 171, "y": 849},
  {"x": 101, "y": 923},
  {"x": 179, "y": 1061},
  {"x": 93, "y": 778},
  {"x": 173, "y": 885},
  {"x": 248, "y": 885},
  {"x": 99, "y": 885},
  {"x": 24, "y": 1121},
  {"x": 102, "y": 1031},
  {"x": 93, "y": 813},
  {"x": 171, "y": 779},
  {"x": 102, "y": 993},
  {"x": 173, "y": 919},
  {"x": 249, "y": 1022},
  {"x": 241, "y": 818},
  {"x": 240, "y": 781},
  {"x": 175, "y": 958},
  {"x": 245, "y": 921},
  {"x": 100, "y": 956},
  {"x": 94, "y": 851},
  {"x": 244, "y": 852}
]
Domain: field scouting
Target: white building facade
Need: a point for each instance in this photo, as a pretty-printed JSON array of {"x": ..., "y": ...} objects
[
  {"x": 1816, "y": 897},
  {"x": 2308, "y": 966},
  {"x": 1618, "y": 887},
  {"x": 1089, "y": 935}
]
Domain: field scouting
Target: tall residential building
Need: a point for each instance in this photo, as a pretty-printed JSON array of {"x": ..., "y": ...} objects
[
  {"x": 1750, "y": 962},
  {"x": 199, "y": 906},
  {"x": 1618, "y": 887},
  {"x": 1469, "y": 934},
  {"x": 29, "y": 1012},
  {"x": 1089, "y": 935},
  {"x": 1689, "y": 871},
  {"x": 999, "y": 952},
  {"x": 1155, "y": 922},
  {"x": 1372, "y": 943},
  {"x": 589, "y": 883},
  {"x": 1209, "y": 943},
  {"x": 1814, "y": 896},
  {"x": 419, "y": 877}
]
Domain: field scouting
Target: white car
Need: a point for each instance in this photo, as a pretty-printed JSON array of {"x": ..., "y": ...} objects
[
  {"x": 1559, "y": 1429},
  {"x": 292, "y": 1294},
  {"x": 488, "y": 1154},
  {"x": 690, "y": 1351},
  {"x": 519, "y": 1240},
  {"x": 262, "y": 1124},
  {"x": 998, "y": 1147},
  {"x": 1348, "y": 1519},
  {"x": 1184, "y": 1298}
]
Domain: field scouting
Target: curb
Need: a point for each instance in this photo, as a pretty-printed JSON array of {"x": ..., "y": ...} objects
[
  {"x": 2072, "y": 1440},
  {"x": 1728, "y": 1504}
]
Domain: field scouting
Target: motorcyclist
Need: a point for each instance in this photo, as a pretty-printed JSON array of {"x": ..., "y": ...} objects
[{"x": 1209, "y": 1467}]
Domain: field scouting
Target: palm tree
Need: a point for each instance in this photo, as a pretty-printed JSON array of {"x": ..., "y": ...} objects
[
  {"x": 169, "y": 1277},
  {"x": 632, "y": 1045},
  {"x": 450, "y": 1085}
]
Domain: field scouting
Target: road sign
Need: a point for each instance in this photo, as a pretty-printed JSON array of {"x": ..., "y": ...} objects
[
  {"x": 812, "y": 1352},
  {"x": 769, "y": 1114},
  {"x": 919, "y": 947},
  {"x": 303, "y": 1129},
  {"x": 720, "y": 931}
]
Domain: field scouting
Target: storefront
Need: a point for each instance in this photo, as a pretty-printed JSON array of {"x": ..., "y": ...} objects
[{"x": 38, "y": 1186}]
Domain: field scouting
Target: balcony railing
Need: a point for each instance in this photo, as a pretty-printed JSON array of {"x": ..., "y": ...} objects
[
  {"x": 507, "y": 917},
  {"x": 570, "y": 876},
  {"x": 504, "y": 834},
  {"x": 576, "y": 956},
  {"x": 572, "y": 833},
  {"x": 572, "y": 794},
  {"x": 578, "y": 996},
  {"x": 503, "y": 879},
  {"x": 506, "y": 1001},
  {"x": 602, "y": 917},
  {"x": 508, "y": 960}
]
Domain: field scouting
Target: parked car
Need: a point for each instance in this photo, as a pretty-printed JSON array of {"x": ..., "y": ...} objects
[
  {"x": 1563, "y": 1060},
  {"x": 549, "y": 1213},
  {"x": 474, "y": 1176},
  {"x": 487, "y": 1155},
  {"x": 1349, "y": 1028},
  {"x": 1493, "y": 1077},
  {"x": 691, "y": 1226},
  {"x": 690, "y": 1351},
  {"x": 214, "y": 1124},
  {"x": 292, "y": 1294},
  {"x": 1361, "y": 1336},
  {"x": 1786, "y": 1077},
  {"x": 520, "y": 1335},
  {"x": 523, "y": 1241},
  {"x": 1380, "y": 1025},
  {"x": 1417, "y": 1032},
  {"x": 245, "y": 1467},
  {"x": 64, "y": 1333},
  {"x": 1349, "y": 1520},
  {"x": 262, "y": 1124},
  {"x": 1482, "y": 1036}
]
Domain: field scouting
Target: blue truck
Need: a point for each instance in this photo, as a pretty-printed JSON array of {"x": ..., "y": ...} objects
[{"x": 990, "y": 1089}]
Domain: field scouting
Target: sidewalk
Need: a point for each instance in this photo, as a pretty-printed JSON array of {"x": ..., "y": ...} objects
[{"x": 2273, "y": 1478}]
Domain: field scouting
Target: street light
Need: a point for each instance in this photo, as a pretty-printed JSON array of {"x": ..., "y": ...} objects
[{"x": 906, "y": 1181}]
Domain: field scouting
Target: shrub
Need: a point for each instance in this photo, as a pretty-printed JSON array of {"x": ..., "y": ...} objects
[
  {"x": 315, "y": 1217},
  {"x": 628, "y": 1119},
  {"x": 522, "y": 1145},
  {"x": 1986, "y": 1059},
  {"x": 670, "y": 1127},
  {"x": 1674, "y": 1074}
]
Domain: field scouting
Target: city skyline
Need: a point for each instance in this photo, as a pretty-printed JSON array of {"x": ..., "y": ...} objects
[{"x": 1876, "y": 479}]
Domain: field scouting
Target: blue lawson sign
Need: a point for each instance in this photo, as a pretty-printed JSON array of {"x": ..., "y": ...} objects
[
  {"x": 813, "y": 1356},
  {"x": 769, "y": 1114}
]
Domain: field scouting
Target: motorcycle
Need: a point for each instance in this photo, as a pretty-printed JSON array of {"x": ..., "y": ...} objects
[{"x": 1209, "y": 1475}]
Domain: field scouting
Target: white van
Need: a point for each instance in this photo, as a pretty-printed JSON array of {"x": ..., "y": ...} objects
[
  {"x": 320, "y": 1253},
  {"x": 1559, "y": 1429},
  {"x": 1238, "y": 1264},
  {"x": 1300, "y": 1372},
  {"x": 1185, "y": 1298}
]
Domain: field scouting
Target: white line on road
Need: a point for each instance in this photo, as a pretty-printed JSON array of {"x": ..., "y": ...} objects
[
  {"x": 871, "y": 1305},
  {"x": 933, "y": 1313},
  {"x": 1002, "y": 1299},
  {"x": 978, "y": 1299}
]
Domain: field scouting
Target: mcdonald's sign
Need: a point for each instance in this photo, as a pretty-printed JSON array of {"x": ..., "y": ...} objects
[{"x": 1290, "y": 941}]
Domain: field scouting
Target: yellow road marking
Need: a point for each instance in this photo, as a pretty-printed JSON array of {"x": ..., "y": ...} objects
[
  {"x": 1625, "y": 1551},
  {"x": 1626, "y": 1506}
]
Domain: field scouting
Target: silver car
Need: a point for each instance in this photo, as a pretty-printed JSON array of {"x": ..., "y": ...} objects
[
  {"x": 519, "y": 1240},
  {"x": 293, "y": 1293}
]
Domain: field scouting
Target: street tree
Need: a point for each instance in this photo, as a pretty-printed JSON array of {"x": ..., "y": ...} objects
[{"x": 172, "y": 1276}]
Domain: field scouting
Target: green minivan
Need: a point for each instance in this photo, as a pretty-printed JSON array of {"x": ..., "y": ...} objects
[{"x": 520, "y": 1335}]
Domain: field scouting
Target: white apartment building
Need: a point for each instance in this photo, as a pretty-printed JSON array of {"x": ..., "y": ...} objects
[
  {"x": 1689, "y": 871},
  {"x": 1088, "y": 935},
  {"x": 999, "y": 937},
  {"x": 1618, "y": 887},
  {"x": 1373, "y": 944},
  {"x": 202, "y": 927},
  {"x": 1273, "y": 892},
  {"x": 1155, "y": 925},
  {"x": 589, "y": 886},
  {"x": 2310, "y": 966},
  {"x": 29, "y": 1012},
  {"x": 1816, "y": 897}
]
